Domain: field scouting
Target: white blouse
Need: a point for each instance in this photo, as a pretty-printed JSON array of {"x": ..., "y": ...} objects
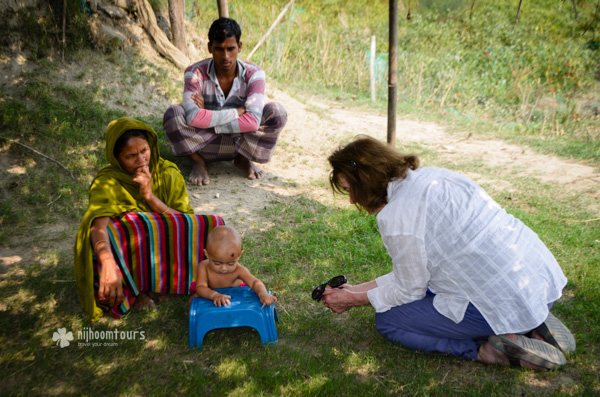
[{"x": 444, "y": 232}]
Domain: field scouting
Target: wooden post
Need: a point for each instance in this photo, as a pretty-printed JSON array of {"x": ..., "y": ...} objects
[
  {"x": 393, "y": 74},
  {"x": 223, "y": 9},
  {"x": 64, "y": 24},
  {"x": 372, "y": 68}
]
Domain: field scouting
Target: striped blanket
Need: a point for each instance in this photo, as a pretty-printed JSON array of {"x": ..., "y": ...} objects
[{"x": 156, "y": 253}]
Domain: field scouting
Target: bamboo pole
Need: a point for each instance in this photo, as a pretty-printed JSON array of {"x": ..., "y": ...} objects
[
  {"x": 393, "y": 74},
  {"x": 262, "y": 39},
  {"x": 372, "y": 68}
]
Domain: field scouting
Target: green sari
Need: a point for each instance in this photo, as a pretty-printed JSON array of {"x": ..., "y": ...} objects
[{"x": 113, "y": 192}]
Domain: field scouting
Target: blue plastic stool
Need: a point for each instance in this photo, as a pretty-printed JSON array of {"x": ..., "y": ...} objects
[{"x": 244, "y": 311}]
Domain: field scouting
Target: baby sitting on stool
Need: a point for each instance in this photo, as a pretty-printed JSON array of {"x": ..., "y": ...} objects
[{"x": 221, "y": 269}]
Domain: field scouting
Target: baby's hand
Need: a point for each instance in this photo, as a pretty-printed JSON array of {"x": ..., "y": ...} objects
[
  {"x": 221, "y": 300},
  {"x": 268, "y": 300}
]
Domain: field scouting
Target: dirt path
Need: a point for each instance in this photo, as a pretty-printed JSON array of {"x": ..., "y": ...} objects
[
  {"x": 299, "y": 165},
  {"x": 300, "y": 160}
]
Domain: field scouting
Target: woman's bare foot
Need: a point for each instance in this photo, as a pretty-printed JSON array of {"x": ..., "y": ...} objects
[
  {"x": 160, "y": 297},
  {"x": 489, "y": 355},
  {"x": 143, "y": 301},
  {"x": 536, "y": 335},
  {"x": 251, "y": 169}
]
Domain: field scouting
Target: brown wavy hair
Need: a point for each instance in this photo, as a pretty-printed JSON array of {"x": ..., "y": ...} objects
[{"x": 368, "y": 165}]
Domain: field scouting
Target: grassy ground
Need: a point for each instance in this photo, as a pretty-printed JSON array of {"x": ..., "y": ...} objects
[
  {"x": 461, "y": 63},
  {"x": 319, "y": 353}
]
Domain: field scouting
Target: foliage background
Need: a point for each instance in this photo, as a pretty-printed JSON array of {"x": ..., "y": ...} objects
[{"x": 534, "y": 82}]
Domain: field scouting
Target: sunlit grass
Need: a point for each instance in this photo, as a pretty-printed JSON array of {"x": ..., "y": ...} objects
[
  {"x": 535, "y": 82},
  {"x": 319, "y": 353}
]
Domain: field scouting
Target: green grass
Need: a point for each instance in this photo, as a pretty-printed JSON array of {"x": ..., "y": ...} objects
[
  {"x": 535, "y": 79},
  {"x": 319, "y": 353}
]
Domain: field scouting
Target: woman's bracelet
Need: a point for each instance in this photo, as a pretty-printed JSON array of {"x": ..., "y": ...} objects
[{"x": 98, "y": 242}]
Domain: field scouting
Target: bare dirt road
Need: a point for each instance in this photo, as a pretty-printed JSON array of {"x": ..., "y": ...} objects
[{"x": 299, "y": 165}]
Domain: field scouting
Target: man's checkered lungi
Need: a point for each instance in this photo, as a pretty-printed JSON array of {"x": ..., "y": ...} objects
[{"x": 256, "y": 146}]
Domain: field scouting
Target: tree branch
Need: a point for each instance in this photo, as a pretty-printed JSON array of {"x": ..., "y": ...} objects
[{"x": 39, "y": 153}]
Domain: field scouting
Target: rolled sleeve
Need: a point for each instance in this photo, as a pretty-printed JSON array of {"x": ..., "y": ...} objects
[{"x": 374, "y": 294}]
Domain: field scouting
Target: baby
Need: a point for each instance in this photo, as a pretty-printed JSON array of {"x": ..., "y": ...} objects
[{"x": 221, "y": 269}]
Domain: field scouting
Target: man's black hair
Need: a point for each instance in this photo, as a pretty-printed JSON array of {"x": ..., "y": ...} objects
[{"x": 223, "y": 28}]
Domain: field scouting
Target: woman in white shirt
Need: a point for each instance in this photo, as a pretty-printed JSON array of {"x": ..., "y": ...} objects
[{"x": 468, "y": 278}]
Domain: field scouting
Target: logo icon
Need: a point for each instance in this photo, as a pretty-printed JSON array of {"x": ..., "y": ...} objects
[{"x": 63, "y": 337}]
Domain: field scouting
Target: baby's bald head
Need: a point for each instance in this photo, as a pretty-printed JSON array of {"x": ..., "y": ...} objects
[{"x": 225, "y": 240}]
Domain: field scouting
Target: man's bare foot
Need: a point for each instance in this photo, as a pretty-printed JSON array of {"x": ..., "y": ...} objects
[
  {"x": 199, "y": 175},
  {"x": 143, "y": 301},
  {"x": 251, "y": 169}
]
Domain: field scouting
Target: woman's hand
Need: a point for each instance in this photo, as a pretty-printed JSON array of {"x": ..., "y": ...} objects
[
  {"x": 143, "y": 177},
  {"x": 198, "y": 99},
  {"x": 111, "y": 289},
  {"x": 343, "y": 298}
]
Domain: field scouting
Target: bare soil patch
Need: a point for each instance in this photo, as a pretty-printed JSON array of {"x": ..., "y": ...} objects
[{"x": 299, "y": 165}]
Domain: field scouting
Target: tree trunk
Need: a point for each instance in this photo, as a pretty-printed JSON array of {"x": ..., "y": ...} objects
[
  {"x": 176, "y": 15},
  {"x": 165, "y": 47}
]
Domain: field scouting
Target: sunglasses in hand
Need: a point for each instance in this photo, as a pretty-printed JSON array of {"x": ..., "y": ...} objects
[{"x": 335, "y": 282}]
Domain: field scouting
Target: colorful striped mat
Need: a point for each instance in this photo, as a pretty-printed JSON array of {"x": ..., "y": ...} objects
[{"x": 156, "y": 252}]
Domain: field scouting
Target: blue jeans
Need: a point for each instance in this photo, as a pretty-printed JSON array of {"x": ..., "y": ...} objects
[{"x": 418, "y": 325}]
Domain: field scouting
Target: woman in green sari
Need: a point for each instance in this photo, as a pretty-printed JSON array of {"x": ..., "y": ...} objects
[{"x": 136, "y": 180}]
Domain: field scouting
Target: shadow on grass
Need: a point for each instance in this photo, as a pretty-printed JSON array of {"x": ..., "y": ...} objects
[{"x": 318, "y": 353}]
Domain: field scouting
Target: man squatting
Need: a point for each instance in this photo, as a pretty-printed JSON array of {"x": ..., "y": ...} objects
[{"x": 224, "y": 115}]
